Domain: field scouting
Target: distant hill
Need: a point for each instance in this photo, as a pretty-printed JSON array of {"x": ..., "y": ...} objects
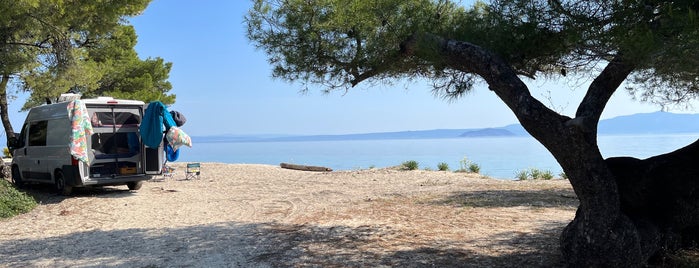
[
  {"x": 651, "y": 123},
  {"x": 488, "y": 132},
  {"x": 645, "y": 123}
]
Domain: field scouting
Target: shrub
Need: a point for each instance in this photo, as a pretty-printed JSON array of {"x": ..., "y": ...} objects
[
  {"x": 546, "y": 175},
  {"x": 522, "y": 175},
  {"x": 475, "y": 168},
  {"x": 534, "y": 174},
  {"x": 466, "y": 165},
  {"x": 443, "y": 166},
  {"x": 463, "y": 164},
  {"x": 14, "y": 202},
  {"x": 563, "y": 175},
  {"x": 411, "y": 165}
]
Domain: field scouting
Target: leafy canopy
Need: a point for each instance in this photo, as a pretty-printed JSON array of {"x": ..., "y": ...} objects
[
  {"x": 52, "y": 47},
  {"x": 342, "y": 43}
]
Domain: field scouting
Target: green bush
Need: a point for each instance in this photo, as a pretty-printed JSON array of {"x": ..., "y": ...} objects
[
  {"x": 563, "y": 175},
  {"x": 466, "y": 165},
  {"x": 546, "y": 175},
  {"x": 14, "y": 202},
  {"x": 443, "y": 166},
  {"x": 534, "y": 174},
  {"x": 522, "y": 175},
  {"x": 475, "y": 168},
  {"x": 411, "y": 165},
  {"x": 463, "y": 165}
]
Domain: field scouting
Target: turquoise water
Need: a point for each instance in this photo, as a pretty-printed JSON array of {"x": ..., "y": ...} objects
[{"x": 500, "y": 157}]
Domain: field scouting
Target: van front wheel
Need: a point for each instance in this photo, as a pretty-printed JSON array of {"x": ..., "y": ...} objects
[
  {"x": 134, "y": 185},
  {"x": 60, "y": 184}
]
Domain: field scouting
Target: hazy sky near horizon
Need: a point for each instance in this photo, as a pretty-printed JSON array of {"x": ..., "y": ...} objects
[{"x": 224, "y": 85}]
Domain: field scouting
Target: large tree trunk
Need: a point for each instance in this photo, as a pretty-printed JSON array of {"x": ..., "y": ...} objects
[
  {"x": 4, "y": 112},
  {"x": 621, "y": 220},
  {"x": 661, "y": 194}
]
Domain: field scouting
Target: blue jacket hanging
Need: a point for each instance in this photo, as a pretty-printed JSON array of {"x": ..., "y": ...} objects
[{"x": 156, "y": 120}]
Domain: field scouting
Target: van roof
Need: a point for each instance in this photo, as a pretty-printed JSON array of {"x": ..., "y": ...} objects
[
  {"x": 58, "y": 110},
  {"x": 110, "y": 100}
]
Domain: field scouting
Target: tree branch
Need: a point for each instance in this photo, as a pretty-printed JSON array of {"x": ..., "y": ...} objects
[
  {"x": 601, "y": 90},
  {"x": 501, "y": 78},
  {"x": 39, "y": 45}
]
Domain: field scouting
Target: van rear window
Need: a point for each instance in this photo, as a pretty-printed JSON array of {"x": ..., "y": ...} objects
[{"x": 114, "y": 118}]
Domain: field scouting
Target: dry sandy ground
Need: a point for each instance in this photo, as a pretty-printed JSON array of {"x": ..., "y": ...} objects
[{"x": 265, "y": 216}]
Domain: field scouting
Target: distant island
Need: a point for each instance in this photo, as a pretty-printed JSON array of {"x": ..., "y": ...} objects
[
  {"x": 644, "y": 123},
  {"x": 488, "y": 132}
]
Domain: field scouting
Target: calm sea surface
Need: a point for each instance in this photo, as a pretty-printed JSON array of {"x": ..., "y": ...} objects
[{"x": 499, "y": 157}]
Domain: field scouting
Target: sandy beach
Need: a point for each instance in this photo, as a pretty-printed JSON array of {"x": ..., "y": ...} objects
[{"x": 241, "y": 215}]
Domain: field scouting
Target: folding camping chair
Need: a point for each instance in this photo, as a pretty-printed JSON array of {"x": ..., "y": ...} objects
[{"x": 193, "y": 170}]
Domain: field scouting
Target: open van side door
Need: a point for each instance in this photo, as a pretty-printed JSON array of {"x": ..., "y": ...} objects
[{"x": 155, "y": 159}]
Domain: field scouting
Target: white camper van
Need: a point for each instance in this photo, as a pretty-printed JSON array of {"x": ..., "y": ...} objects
[{"x": 115, "y": 152}]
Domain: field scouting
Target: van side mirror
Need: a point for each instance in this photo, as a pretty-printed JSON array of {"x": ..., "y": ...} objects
[{"x": 12, "y": 143}]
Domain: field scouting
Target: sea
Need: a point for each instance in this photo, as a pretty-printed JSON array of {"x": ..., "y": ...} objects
[{"x": 497, "y": 157}]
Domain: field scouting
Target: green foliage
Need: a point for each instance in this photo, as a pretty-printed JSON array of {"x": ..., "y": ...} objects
[
  {"x": 522, "y": 175},
  {"x": 546, "y": 175},
  {"x": 342, "y": 43},
  {"x": 466, "y": 165},
  {"x": 474, "y": 168},
  {"x": 14, "y": 202},
  {"x": 6, "y": 152},
  {"x": 443, "y": 166},
  {"x": 85, "y": 46},
  {"x": 563, "y": 175},
  {"x": 534, "y": 174},
  {"x": 125, "y": 75},
  {"x": 111, "y": 68},
  {"x": 410, "y": 165}
]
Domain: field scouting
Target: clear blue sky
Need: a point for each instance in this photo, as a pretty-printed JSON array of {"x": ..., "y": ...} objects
[{"x": 224, "y": 85}]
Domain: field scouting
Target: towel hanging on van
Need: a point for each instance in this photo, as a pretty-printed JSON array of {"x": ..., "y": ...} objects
[
  {"x": 81, "y": 129},
  {"x": 156, "y": 120},
  {"x": 177, "y": 138}
]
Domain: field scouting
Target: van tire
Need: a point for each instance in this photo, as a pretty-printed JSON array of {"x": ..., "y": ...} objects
[
  {"x": 17, "y": 177},
  {"x": 134, "y": 185},
  {"x": 60, "y": 184}
]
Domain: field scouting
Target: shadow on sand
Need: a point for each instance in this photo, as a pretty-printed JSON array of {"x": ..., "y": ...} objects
[
  {"x": 273, "y": 245},
  {"x": 46, "y": 194}
]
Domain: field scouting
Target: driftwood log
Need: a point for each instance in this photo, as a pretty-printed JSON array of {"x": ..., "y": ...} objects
[{"x": 304, "y": 167}]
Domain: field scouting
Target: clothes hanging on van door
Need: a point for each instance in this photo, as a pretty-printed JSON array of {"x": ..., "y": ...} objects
[
  {"x": 177, "y": 138},
  {"x": 156, "y": 120},
  {"x": 171, "y": 154},
  {"x": 81, "y": 129}
]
